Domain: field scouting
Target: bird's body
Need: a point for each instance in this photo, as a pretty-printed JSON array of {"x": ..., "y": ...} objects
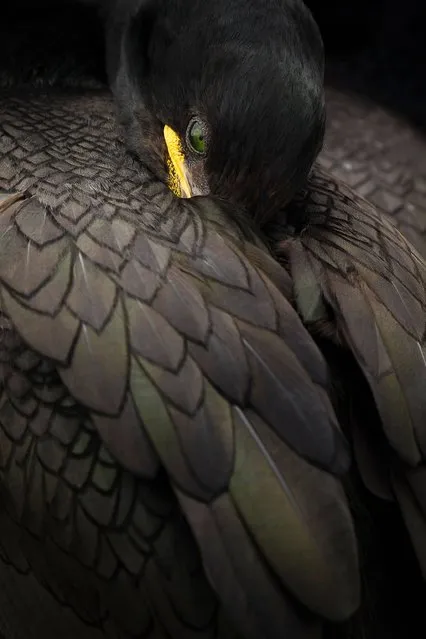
[
  {"x": 123, "y": 254},
  {"x": 127, "y": 314},
  {"x": 248, "y": 74}
]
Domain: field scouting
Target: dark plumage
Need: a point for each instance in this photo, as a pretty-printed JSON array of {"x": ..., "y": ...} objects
[
  {"x": 171, "y": 464},
  {"x": 251, "y": 72},
  {"x": 179, "y": 411}
]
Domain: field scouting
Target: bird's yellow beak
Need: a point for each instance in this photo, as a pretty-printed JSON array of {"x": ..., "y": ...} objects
[{"x": 176, "y": 166}]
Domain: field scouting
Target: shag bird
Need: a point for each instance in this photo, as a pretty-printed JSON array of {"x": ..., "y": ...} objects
[
  {"x": 182, "y": 399},
  {"x": 222, "y": 97}
]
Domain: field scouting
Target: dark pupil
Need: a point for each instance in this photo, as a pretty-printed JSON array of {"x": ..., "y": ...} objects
[{"x": 197, "y": 138}]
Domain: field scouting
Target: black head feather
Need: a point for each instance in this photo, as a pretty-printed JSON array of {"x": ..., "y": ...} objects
[{"x": 253, "y": 71}]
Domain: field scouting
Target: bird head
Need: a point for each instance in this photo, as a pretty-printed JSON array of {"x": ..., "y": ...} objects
[{"x": 237, "y": 88}]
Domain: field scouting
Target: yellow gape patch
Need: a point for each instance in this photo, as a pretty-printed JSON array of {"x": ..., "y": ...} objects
[{"x": 178, "y": 182}]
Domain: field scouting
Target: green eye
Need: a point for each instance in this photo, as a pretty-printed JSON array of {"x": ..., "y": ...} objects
[{"x": 197, "y": 137}]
